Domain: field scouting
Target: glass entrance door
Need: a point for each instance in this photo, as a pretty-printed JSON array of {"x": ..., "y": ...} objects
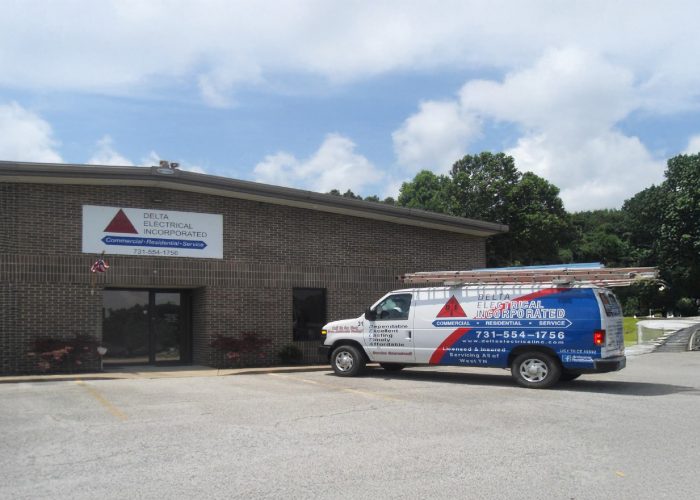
[
  {"x": 145, "y": 326},
  {"x": 167, "y": 327}
]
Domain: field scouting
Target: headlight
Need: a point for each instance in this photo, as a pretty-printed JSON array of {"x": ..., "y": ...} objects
[{"x": 323, "y": 332}]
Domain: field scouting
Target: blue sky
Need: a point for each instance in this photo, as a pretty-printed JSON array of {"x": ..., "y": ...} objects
[{"x": 594, "y": 96}]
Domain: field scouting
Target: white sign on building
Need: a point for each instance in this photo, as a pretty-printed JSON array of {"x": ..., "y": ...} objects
[{"x": 161, "y": 233}]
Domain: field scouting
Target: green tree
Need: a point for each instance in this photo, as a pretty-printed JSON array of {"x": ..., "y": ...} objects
[
  {"x": 643, "y": 217},
  {"x": 601, "y": 236},
  {"x": 346, "y": 194},
  {"x": 663, "y": 229},
  {"x": 351, "y": 195},
  {"x": 489, "y": 187},
  {"x": 426, "y": 191},
  {"x": 679, "y": 233},
  {"x": 538, "y": 223},
  {"x": 483, "y": 186}
]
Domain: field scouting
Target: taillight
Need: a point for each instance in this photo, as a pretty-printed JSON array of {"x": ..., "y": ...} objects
[{"x": 599, "y": 337}]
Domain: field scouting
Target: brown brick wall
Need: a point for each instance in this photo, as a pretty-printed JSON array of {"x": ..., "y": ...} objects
[
  {"x": 37, "y": 310},
  {"x": 46, "y": 288}
]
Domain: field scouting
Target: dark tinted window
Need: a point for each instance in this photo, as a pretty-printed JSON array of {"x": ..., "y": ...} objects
[
  {"x": 309, "y": 313},
  {"x": 610, "y": 304}
]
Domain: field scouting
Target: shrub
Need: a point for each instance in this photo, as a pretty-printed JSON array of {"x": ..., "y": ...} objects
[
  {"x": 234, "y": 347},
  {"x": 63, "y": 355},
  {"x": 631, "y": 307},
  {"x": 686, "y": 307}
]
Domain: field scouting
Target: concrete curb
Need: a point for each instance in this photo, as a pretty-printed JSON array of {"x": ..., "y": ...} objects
[
  {"x": 142, "y": 372},
  {"x": 640, "y": 349}
]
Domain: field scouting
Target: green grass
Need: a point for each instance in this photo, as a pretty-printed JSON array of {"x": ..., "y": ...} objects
[{"x": 629, "y": 328}]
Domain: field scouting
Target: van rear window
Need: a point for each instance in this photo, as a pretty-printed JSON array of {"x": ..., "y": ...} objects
[{"x": 610, "y": 304}]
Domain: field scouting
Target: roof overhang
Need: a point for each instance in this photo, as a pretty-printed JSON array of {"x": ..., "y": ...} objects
[{"x": 96, "y": 175}]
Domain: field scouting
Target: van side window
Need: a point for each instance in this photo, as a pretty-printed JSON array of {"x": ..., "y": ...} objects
[
  {"x": 610, "y": 304},
  {"x": 394, "y": 307}
]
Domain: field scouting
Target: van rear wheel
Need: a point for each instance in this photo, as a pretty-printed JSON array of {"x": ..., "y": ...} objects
[
  {"x": 535, "y": 370},
  {"x": 347, "y": 361}
]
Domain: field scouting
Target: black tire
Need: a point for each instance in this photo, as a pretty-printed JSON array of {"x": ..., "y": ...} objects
[
  {"x": 347, "y": 361},
  {"x": 392, "y": 367},
  {"x": 535, "y": 370},
  {"x": 568, "y": 376}
]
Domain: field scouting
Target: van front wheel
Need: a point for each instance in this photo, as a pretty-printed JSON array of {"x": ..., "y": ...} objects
[
  {"x": 347, "y": 361},
  {"x": 535, "y": 370}
]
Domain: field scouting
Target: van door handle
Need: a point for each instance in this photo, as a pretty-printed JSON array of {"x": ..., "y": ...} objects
[{"x": 409, "y": 334}]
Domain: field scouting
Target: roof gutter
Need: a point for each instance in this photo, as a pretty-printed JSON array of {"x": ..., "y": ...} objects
[{"x": 43, "y": 173}]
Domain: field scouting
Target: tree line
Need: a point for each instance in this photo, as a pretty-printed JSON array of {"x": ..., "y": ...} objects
[{"x": 659, "y": 226}]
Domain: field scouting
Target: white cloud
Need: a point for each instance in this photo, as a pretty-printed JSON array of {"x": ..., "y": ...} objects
[
  {"x": 214, "y": 92},
  {"x": 569, "y": 90},
  {"x": 25, "y": 136},
  {"x": 434, "y": 137},
  {"x": 693, "y": 147},
  {"x": 335, "y": 165},
  {"x": 595, "y": 171},
  {"x": 215, "y": 86},
  {"x": 150, "y": 160},
  {"x": 602, "y": 61},
  {"x": 566, "y": 106},
  {"x": 194, "y": 168},
  {"x": 218, "y": 44},
  {"x": 107, "y": 155}
]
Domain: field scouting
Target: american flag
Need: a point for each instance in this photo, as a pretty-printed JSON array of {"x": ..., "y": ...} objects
[{"x": 100, "y": 266}]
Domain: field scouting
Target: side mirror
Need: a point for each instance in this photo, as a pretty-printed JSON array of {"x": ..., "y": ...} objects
[{"x": 370, "y": 315}]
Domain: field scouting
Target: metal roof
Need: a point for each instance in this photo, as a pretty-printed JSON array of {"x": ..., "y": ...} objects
[{"x": 51, "y": 173}]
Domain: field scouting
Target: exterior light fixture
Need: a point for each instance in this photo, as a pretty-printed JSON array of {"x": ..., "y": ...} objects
[{"x": 166, "y": 167}]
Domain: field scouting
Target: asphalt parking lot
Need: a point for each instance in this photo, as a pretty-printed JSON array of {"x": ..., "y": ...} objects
[{"x": 421, "y": 433}]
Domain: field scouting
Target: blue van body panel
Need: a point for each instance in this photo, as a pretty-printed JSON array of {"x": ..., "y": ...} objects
[{"x": 561, "y": 319}]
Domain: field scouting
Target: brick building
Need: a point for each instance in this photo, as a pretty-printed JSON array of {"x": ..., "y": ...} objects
[{"x": 202, "y": 269}]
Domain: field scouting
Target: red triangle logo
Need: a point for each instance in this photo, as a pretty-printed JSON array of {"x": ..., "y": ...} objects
[
  {"x": 121, "y": 224},
  {"x": 452, "y": 309}
]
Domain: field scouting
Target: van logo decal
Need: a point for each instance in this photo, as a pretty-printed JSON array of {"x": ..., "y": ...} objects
[
  {"x": 466, "y": 325},
  {"x": 452, "y": 309}
]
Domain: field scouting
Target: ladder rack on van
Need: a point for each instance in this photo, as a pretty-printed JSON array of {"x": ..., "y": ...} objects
[{"x": 605, "y": 277}]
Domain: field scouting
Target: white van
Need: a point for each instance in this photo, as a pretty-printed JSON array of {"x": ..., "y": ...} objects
[{"x": 542, "y": 332}]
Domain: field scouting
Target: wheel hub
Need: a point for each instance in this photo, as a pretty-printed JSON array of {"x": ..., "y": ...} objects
[
  {"x": 344, "y": 361},
  {"x": 534, "y": 370}
]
